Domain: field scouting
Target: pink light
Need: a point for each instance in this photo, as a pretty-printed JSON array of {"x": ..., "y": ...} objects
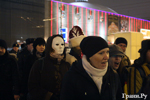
[
  {"x": 51, "y": 17},
  {"x": 147, "y": 25},
  {"x": 94, "y": 22},
  {"x": 67, "y": 22},
  {"x": 105, "y": 24},
  {"x": 102, "y": 16},
  {"x": 77, "y": 13},
  {"x": 134, "y": 24},
  {"x": 57, "y": 19},
  {"x": 62, "y": 7},
  {"x": 141, "y": 23},
  {"x": 82, "y": 18},
  {"x": 86, "y": 22},
  {"x": 72, "y": 15},
  {"x": 96, "y": 9},
  {"x": 98, "y": 23},
  {"x": 129, "y": 24}
]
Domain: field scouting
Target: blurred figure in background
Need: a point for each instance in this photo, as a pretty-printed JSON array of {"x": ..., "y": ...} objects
[
  {"x": 23, "y": 46},
  {"x": 47, "y": 73},
  {"x": 75, "y": 37},
  {"x": 125, "y": 62},
  {"x": 9, "y": 75},
  {"x": 22, "y": 55},
  {"x": 15, "y": 48},
  {"x": 38, "y": 52}
]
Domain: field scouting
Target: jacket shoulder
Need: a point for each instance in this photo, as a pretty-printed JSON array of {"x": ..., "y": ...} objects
[{"x": 70, "y": 58}]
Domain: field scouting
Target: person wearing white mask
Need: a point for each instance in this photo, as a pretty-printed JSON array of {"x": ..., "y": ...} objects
[
  {"x": 47, "y": 73},
  {"x": 91, "y": 78}
]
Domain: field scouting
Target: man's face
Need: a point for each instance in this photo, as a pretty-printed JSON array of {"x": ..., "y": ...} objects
[
  {"x": 30, "y": 47},
  {"x": 114, "y": 61},
  {"x": 16, "y": 48},
  {"x": 2, "y": 51},
  {"x": 148, "y": 56},
  {"x": 122, "y": 46}
]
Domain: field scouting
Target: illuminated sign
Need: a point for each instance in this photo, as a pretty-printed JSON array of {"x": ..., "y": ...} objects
[
  {"x": 63, "y": 32},
  {"x": 146, "y": 33}
]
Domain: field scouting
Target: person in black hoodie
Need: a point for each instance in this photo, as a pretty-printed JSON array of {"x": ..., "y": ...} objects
[
  {"x": 9, "y": 75},
  {"x": 38, "y": 52},
  {"x": 91, "y": 78},
  {"x": 47, "y": 73}
]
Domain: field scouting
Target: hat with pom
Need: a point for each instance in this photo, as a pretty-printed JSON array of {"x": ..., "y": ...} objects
[{"x": 75, "y": 36}]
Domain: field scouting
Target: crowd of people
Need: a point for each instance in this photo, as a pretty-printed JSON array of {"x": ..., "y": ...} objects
[{"x": 92, "y": 70}]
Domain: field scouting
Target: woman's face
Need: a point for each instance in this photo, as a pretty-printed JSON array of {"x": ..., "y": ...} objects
[
  {"x": 100, "y": 59},
  {"x": 58, "y": 45},
  {"x": 40, "y": 48}
]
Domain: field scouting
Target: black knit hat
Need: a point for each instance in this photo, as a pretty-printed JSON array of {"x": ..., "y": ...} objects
[
  {"x": 121, "y": 40},
  {"x": 15, "y": 45},
  {"x": 38, "y": 41},
  {"x": 92, "y": 44},
  {"x": 29, "y": 40},
  {"x": 145, "y": 45},
  {"x": 3, "y": 44}
]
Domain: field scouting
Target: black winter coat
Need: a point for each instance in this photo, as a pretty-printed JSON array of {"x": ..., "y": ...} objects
[
  {"x": 9, "y": 77},
  {"x": 22, "y": 58},
  {"x": 44, "y": 77},
  {"x": 78, "y": 85},
  {"x": 30, "y": 59}
]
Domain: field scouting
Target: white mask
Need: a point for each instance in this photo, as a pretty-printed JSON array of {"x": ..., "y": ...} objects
[{"x": 58, "y": 45}]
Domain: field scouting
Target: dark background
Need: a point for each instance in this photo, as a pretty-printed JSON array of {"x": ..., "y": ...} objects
[{"x": 21, "y": 19}]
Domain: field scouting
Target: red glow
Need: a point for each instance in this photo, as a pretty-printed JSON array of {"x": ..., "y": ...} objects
[
  {"x": 77, "y": 13},
  {"x": 141, "y": 23},
  {"x": 62, "y": 7},
  {"x": 105, "y": 24},
  {"x": 72, "y": 15},
  {"x": 98, "y": 24},
  {"x": 67, "y": 22},
  {"x": 57, "y": 19},
  {"x": 51, "y": 17},
  {"x": 86, "y": 22},
  {"x": 147, "y": 25},
  {"x": 129, "y": 24},
  {"x": 82, "y": 18},
  {"x": 94, "y": 22},
  {"x": 90, "y": 12},
  {"x": 102, "y": 22},
  {"x": 136, "y": 25}
]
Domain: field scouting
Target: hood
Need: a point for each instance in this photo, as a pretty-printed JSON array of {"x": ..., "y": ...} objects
[{"x": 49, "y": 48}]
